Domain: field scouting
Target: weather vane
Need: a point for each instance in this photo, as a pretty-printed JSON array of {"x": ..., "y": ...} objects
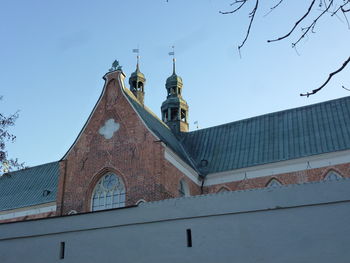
[
  {"x": 172, "y": 53},
  {"x": 115, "y": 66},
  {"x": 137, "y": 51}
]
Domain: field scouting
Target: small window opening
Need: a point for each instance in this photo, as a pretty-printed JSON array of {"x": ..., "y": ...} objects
[
  {"x": 183, "y": 189},
  {"x": 140, "y": 86},
  {"x": 189, "y": 237},
  {"x": 62, "y": 249},
  {"x": 183, "y": 115},
  {"x": 174, "y": 114},
  {"x": 165, "y": 115},
  {"x": 46, "y": 192}
]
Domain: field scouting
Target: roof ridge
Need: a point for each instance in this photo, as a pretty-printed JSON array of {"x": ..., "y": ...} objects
[
  {"x": 184, "y": 153},
  {"x": 32, "y": 167},
  {"x": 271, "y": 114},
  {"x": 145, "y": 107}
]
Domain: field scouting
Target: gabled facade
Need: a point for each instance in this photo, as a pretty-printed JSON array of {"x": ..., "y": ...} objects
[{"x": 125, "y": 154}]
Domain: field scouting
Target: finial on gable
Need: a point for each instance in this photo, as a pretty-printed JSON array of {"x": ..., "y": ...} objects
[
  {"x": 115, "y": 66},
  {"x": 137, "y": 80},
  {"x": 172, "y": 53}
]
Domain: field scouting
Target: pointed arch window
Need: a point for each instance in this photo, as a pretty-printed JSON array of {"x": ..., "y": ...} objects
[
  {"x": 274, "y": 183},
  {"x": 183, "y": 189},
  {"x": 108, "y": 193},
  {"x": 332, "y": 175}
]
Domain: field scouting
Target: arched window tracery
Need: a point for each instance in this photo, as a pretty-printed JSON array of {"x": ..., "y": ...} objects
[{"x": 108, "y": 193}]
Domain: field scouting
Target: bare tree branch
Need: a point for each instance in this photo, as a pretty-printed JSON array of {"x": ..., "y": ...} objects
[
  {"x": 342, "y": 6},
  {"x": 328, "y": 79},
  {"x": 242, "y": 2},
  {"x": 313, "y": 24},
  {"x": 296, "y": 24},
  {"x": 251, "y": 15},
  {"x": 273, "y": 8}
]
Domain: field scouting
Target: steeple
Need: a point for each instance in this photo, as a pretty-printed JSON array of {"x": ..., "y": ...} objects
[
  {"x": 137, "y": 82},
  {"x": 174, "y": 108}
]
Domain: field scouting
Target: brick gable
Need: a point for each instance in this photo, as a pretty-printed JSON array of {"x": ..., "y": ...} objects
[{"x": 132, "y": 152}]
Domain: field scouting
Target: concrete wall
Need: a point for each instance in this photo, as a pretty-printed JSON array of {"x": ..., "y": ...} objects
[{"x": 297, "y": 223}]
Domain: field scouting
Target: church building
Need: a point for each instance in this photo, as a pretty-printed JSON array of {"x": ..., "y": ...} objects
[{"x": 125, "y": 155}]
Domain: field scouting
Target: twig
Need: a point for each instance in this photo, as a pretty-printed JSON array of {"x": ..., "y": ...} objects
[
  {"x": 274, "y": 7},
  {"x": 313, "y": 24},
  {"x": 242, "y": 2},
  {"x": 328, "y": 79},
  {"x": 296, "y": 24},
  {"x": 251, "y": 15}
]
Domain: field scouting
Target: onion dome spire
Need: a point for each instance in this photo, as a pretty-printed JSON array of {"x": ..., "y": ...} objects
[
  {"x": 174, "y": 108},
  {"x": 137, "y": 81}
]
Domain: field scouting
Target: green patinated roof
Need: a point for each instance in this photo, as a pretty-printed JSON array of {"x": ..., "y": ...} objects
[
  {"x": 290, "y": 134},
  {"x": 137, "y": 74},
  {"x": 173, "y": 79},
  {"x": 285, "y": 135},
  {"x": 26, "y": 187},
  {"x": 158, "y": 127}
]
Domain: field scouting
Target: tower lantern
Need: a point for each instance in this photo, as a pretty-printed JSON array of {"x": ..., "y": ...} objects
[
  {"x": 137, "y": 82},
  {"x": 174, "y": 108}
]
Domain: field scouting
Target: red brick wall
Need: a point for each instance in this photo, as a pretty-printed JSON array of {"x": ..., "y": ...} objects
[
  {"x": 133, "y": 153},
  {"x": 310, "y": 175}
]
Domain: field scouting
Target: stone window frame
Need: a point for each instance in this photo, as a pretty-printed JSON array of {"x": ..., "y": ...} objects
[
  {"x": 106, "y": 188},
  {"x": 184, "y": 189},
  {"x": 332, "y": 175},
  {"x": 141, "y": 201},
  {"x": 223, "y": 189},
  {"x": 274, "y": 182}
]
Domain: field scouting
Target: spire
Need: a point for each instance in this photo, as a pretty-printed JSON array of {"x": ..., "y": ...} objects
[
  {"x": 172, "y": 53},
  {"x": 137, "y": 80},
  {"x": 174, "y": 66},
  {"x": 137, "y": 63}
]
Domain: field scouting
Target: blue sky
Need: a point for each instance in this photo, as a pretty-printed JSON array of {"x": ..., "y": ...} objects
[{"x": 53, "y": 55}]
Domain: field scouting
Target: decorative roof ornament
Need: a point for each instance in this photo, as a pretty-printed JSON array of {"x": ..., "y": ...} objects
[
  {"x": 172, "y": 53},
  {"x": 137, "y": 51},
  {"x": 115, "y": 66},
  {"x": 137, "y": 73},
  {"x": 174, "y": 79}
]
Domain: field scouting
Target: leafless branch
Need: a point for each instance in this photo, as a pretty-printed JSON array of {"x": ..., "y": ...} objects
[
  {"x": 273, "y": 8},
  {"x": 251, "y": 15},
  {"x": 345, "y": 88},
  {"x": 342, "y": 6},
  {"x": 312, "y": 25},
  {"x": 328, "y": 79},
  {"x": 296, "y": 24},
  {"x": 241, "y": 2}
]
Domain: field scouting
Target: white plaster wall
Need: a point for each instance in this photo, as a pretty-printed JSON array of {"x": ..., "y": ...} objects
[{"x": 301, "y": 223}]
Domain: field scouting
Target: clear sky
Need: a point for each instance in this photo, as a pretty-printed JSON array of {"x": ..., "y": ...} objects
[{"x": 53, "y": 55}]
